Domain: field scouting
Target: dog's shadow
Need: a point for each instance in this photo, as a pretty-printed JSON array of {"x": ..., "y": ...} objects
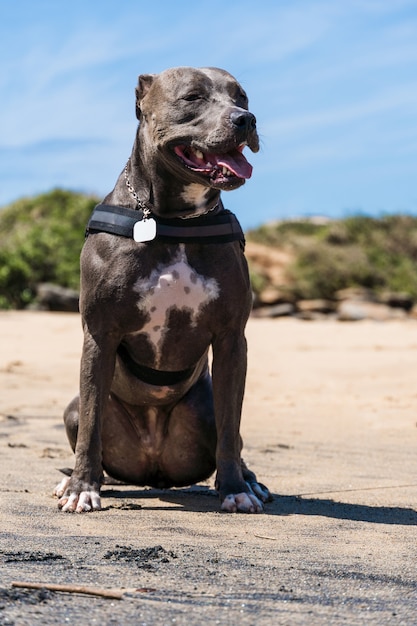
[{"x": 198, "y": 499}]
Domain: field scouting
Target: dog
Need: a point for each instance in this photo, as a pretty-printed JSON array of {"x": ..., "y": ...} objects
[{"x": 163, "y": 280}]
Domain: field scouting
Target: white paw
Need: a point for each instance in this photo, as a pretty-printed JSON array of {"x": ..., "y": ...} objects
[
  {"x": 242, "y": 503},
  {"x": 80, "y": 503},
  {"x": 61, "y": 487},
  {"x": 77, "y": 502}
]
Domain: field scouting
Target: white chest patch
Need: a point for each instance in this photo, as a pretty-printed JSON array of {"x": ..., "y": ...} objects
[{"x": 176, "y": 286}]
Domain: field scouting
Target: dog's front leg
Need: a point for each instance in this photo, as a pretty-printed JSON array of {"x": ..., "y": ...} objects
[
  {"x": 229, "y": 374},
  {"x": 82, "y": 491}
]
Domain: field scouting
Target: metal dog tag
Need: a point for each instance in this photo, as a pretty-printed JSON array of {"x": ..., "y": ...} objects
[{"x": 145, "y": 230}]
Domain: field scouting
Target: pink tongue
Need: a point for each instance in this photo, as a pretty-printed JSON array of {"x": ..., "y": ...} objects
[{"x": 234, "y": 161}]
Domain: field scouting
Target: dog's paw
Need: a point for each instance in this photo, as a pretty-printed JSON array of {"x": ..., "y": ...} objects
[
  {"x": 71, "y": 501},
  {"x": 242, "y": 503},
  {"x": 80, "y": 503},
  {"x": 260, "y": 491},
  {"x": 61, "y": 487}
]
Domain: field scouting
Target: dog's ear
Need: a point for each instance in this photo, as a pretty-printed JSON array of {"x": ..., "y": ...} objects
[{"x": 144, "y": 84}]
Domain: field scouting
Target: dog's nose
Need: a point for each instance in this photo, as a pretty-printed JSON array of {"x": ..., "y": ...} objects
[{"x": 243, "y": 119}]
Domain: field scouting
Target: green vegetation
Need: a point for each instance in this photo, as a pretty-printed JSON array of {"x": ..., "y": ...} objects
[
  {"x": 379, "y": 254},
  {"x": 40, "y": 241}
]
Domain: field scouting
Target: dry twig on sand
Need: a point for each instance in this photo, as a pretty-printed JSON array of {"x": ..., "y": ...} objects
[{"x": 114, "y": 594}]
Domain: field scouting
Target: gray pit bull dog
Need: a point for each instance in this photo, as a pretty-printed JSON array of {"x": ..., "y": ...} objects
[{"x": 163, "y": 279}]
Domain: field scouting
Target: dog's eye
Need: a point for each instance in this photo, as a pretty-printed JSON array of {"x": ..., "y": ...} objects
[
  {"x": 241, "y": 97},
  {"x": 191, "y": 97}
]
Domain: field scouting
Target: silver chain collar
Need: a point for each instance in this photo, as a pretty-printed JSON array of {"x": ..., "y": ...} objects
[{"x": 139, "y": 204}]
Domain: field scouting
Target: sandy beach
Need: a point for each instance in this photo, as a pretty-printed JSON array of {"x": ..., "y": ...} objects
[{"x": 329, "y": 424}]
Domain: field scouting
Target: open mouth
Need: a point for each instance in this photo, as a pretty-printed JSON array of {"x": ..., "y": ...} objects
[{"x": 219, "y": 168}]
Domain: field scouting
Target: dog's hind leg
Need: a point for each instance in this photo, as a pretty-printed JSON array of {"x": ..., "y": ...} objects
[{"x": 71, "y": 419}]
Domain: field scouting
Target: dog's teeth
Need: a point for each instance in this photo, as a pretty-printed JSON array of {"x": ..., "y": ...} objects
[
  {"x": 199, "y": 154},
  {"x": 226, "y": 171}
]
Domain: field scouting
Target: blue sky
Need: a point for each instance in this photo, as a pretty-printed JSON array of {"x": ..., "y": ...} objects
[{"x": 332, "y": 83}]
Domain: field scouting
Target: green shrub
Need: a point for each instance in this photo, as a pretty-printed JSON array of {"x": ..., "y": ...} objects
[
  {"x": 258, "y": 280},
  {"x": 40, "y": 241},
  {"x": 321, "y": 269},
  {"x": 379, "y": 254},
  {"x": 280, "y": 233}
]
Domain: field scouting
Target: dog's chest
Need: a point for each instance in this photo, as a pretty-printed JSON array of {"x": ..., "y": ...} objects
[{"x": 174, "y": 286}]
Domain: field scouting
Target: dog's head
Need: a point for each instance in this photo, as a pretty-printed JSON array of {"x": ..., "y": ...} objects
[{"x": 198, "y": 122}]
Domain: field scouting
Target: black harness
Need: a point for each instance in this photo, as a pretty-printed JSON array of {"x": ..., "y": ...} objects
[{"x": 222, "y": 227}]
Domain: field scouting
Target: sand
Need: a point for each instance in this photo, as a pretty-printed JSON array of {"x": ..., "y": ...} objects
[{"x": 329, "y": 424}]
